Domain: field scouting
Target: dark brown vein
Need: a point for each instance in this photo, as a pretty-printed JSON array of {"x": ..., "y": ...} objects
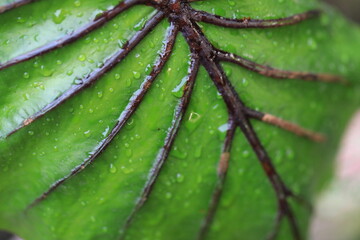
[
  {"x": 169, "y": 140},
  {"x": 276, "y": 228},
  {"x": 132, "y": 106},
  {"x": 98, "y": 22},
  {"x": 201, "y": 16},
  {"x": 230, "y": 96},
  {"x": 236, "y": 108},
  {"x": 221, "y": 174},
  {"x": 276, "y": 73},
  {"x": 286, "y": 125},
  {"x": 14, "y": 4},
  {"x": 184, "y": 18},
  {"x": 97, "y": 73}
]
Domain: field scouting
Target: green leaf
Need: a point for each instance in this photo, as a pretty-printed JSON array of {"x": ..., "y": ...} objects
[{"x": 159, "y": 178}]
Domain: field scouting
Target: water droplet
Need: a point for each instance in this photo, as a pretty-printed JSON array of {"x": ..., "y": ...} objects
[
  {"x": 168, "y": 195},
  {"x": 36, "y": 37},
  {"x": 46, "y": 72},
  {"x": 148, "y": 69},
  {"x": 26, "y": 96},
  {"x": 126, "y": 170},
  {"x": 179, "y": 178},
  {"x": 194, "y": 117},
  {"x": 81, "y": 57},
  {"x": 140, "y": 25},
  {"x": 223, "y": 128},
  {"x": 21, "y": 20},
  {"x": 312, "y": 43},
  {"x": 78, "y": 81},
  {"x": 87, "y": 133},
  {"x": 77, "y": 3},
  {"x": 290, "y": 154},
  {"x": 128, "y": 82},
  {"x": 105, "y": 133},
  {"x": 228, "y": 71},
  {"x": 36, "y": 64},
  {"x": 30, "y": 133},
  {"x": 136, "y": 75},
  {"x": 245, "y": 82},
  {"x": 179, "y": 154},
  {"x": 100, "y": 94},
  {"x": 231, "y": 3},
  {"x": 26, "y": 75},
  {"x": 245, "y": 154},
  {"x": 112, "y": 168},
  {"x": 101, "y": 200},
  {"x": 128, "y": 152},
  {"x": 59, "y": 16},
  {"x": 178, "y": 90}
]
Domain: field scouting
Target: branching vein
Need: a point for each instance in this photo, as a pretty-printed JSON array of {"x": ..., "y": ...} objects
[
  {"x": 133, "y": 104},
  {"x": 184, "y": 18},
  {"x": 14, "y": 4},
  {"x": 170, "y": 138},
  {"x": 98, "y": 22},
  {"x": 97, "y": 73}
]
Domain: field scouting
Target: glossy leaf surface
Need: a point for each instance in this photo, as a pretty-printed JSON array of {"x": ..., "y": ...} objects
[{"x": 97, "y": 202}]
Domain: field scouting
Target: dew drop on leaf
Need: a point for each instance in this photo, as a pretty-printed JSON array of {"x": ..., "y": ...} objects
[
  {"x": 136, "y": 75},
  {"x": 78, "y": 81},
  {"x": 26, "y": 75},
  {"x": 245, "y": 154},
  {"x": 126, "y": 170},
  {"x": 168, "y": 195},
  {"x": 194, "y": 117},
  {"x": 59, "y": 16},
  {"x": 82, "y": 57},
  {"x": 179, "y": 178},
  {"x": 112, "y": 168},
  {"x": 45, "y": 71},
  {"x": 87, "y": 133},
  {"x": 77, "y": 3},
  {"x": 20, "y": 20}
]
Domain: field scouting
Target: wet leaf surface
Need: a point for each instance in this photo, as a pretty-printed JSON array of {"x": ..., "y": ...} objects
[{"x": 120, "y": 158}]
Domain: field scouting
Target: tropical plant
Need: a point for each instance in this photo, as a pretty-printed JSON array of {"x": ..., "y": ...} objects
[{"x": 147, "y": 119}]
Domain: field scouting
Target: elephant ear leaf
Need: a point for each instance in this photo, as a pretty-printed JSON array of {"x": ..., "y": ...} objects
[{"x": 170, "y": 119}]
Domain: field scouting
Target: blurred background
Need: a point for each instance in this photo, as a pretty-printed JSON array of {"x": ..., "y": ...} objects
[
  {"x": 351, "y": 8},
  {"x": 328, "y": 212}
]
